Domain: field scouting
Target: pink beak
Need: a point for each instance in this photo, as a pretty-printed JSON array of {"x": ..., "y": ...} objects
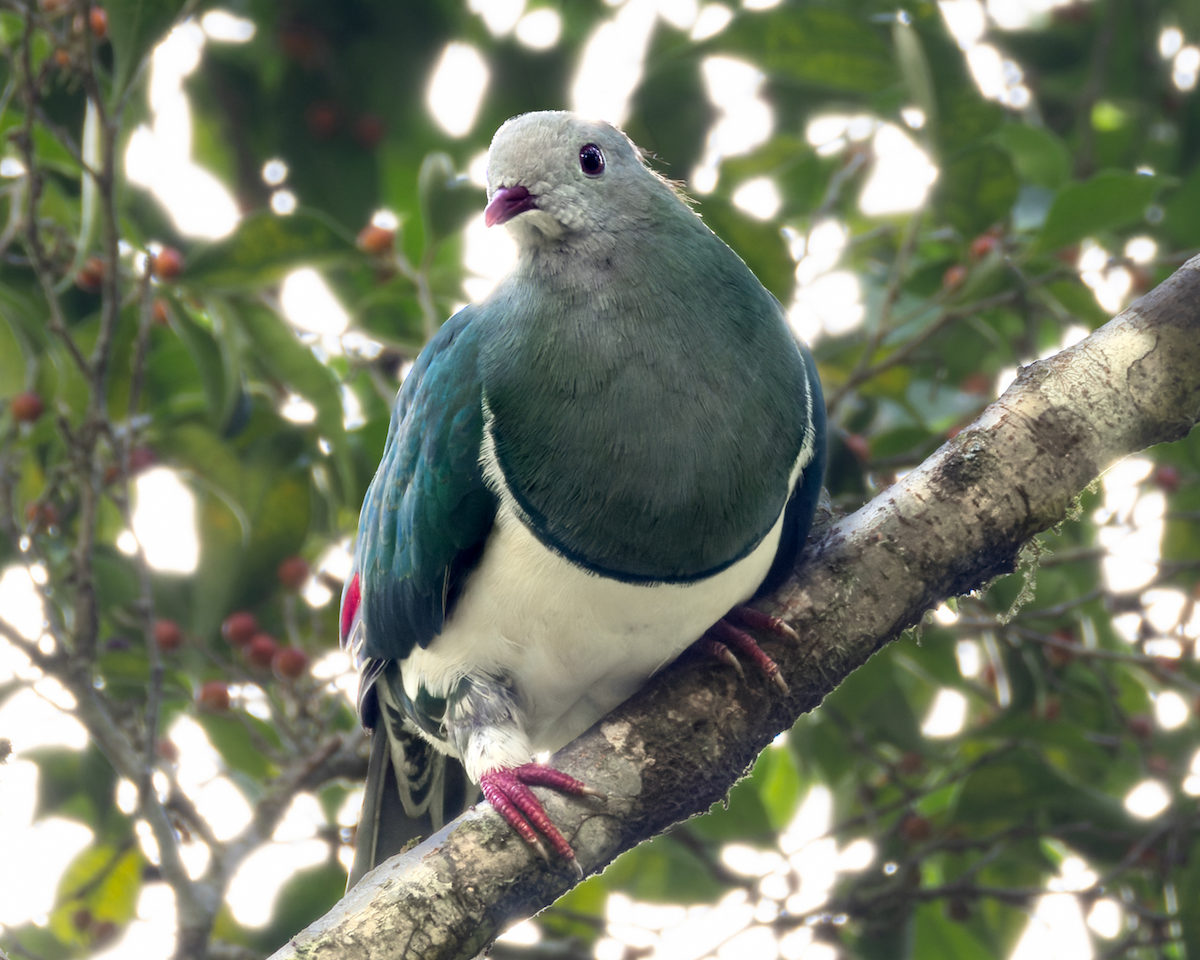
[{"x": 506, "y": 203}]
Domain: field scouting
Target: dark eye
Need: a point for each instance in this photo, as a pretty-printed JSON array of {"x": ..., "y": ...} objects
[{"x": 591, "y": 160}]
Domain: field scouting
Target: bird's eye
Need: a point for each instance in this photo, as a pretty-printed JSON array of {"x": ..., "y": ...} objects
[{"x": 591, "y": 160}]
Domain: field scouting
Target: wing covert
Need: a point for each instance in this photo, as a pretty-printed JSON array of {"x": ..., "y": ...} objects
[{"x": 427, "y": 512}]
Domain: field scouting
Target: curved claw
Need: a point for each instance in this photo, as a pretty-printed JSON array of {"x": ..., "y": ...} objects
[
  {"x": 723, "y": 635},
  {"x": 507, "y": 790},
  {"x": 757, "y": 620}
]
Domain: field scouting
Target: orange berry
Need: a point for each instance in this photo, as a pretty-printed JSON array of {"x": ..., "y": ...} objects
[
  {"x": 26, "y": 407},
  {"x": 914, "y": 828},
  {"x": 90, "y": 277},
  {"x": 260, "y": 651},
  {"x": 982, "y": 245},
  {"x": 239, "y": 628},
  {"x": 368, "y": 131},
  {"x": 954, "y": 276},
  {"x": 1166, "y": 477},
  {"x": 289, "y": 663},
  {"x": 167, "y": 264},
  {"x": 214, "y": 695},
  {"x": 375, "y": 240},
  {"x": 158, "y": 312},
  {"x": 167, "y": 635},
  {"x": 293, "y": 573},
  {"x": 98, "y": 21}
]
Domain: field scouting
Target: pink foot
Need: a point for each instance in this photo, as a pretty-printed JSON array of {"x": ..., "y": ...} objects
[
  {"x": 507, "y": 790},
  {"x": 723, "y": 639}
]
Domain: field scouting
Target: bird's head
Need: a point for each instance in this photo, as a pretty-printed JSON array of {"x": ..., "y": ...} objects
[{"x": 551, "y": 174}]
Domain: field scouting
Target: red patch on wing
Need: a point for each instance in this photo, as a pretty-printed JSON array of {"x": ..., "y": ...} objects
[{"x": 350, "y": 602}]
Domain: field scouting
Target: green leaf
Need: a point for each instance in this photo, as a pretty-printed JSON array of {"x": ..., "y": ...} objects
[
  {"x": 1182, "y": 211},
  {"x": 936, "y": 935},
  {"x": 234, "y": 738},
  {"x": 302, "y": 899},
  {"x": 780, "y": 785},
  {"x": 1189, "y": 900},
  {"x": 216, "y": 361},
  {"x": 79, "y": 784},
  {"x": 101, "y": 886},
  {"x": 264, "y": 248},
  {"x": 287, "y": 359},
  {"x": 134, "y": 26},
  {"x": 818, "y": 46},
  {"x": 663, "y": 871},
  {"x": 977, "y": 189},
  {"x": 1108, "y": 201},
  {"x": 1040, "y": 157},
  {"x": 914, "y": 67},
  {"x": 447, "y": 198}
]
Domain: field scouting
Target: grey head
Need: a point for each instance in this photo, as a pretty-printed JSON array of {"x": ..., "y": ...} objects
[{"x": 554, "y": 177}]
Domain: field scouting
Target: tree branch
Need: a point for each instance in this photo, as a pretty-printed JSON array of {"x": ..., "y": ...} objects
[{"x": 677, "y": 746}]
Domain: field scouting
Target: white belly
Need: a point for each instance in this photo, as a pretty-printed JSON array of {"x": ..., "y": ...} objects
[{"x": 575, "y": 644}]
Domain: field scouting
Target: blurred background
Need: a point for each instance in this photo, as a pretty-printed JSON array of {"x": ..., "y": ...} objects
[{"x": 228, "y": 230}]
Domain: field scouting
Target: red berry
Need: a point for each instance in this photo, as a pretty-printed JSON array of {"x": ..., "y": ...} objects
[
  {"x": 302, "y": 44},
  {"x": 98, "y": 21},
  {"x": 293, "y": 573},
  {"x": 214, "y": 695},
  {"x": 167, "y": 635},
  {"x": 375, "y": 240},
  {"x": 42, "y": 516},
  {"x": 141, "y": 458},
  {"x": 914, "y": 828},
  {"x": 977, "y": 384},
  {"x": 62, "y": 56},
  {"x": 954, "y": 276},
  {"x": 105, "y": 932},
  {"x": 1072, "y": 13},
  {"x": 26, "y": 407},
  {"x": 368, "y": 131},
  {"x": 1166, "y": 477},
  {"x": 158, "y": 312},
  {"x": 859, "y": 446},
  {"x": 167, "y": 264},
  {"x": 1140, "y": 725},
  {"x": 289, "y": 663},
  {"x": 90, "y": 277},
  {"x": 239, "y": 628},
  {"x": 167, "y": 750},
  {"x": 982, "y": 245},
  {"x": 910, "y": 763},
  {"x": 260, "y": 651},
  {"x": 323, "y": 118}
]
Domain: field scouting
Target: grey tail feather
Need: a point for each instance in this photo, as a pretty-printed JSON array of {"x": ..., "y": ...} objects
[{"x": 384, "y": 826}]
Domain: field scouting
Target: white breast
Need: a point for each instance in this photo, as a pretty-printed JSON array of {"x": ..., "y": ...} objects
[{"x": 575, "y": 644}]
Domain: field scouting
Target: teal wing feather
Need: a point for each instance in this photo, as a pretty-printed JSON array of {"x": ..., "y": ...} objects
[{"x": 427, "y": 512}]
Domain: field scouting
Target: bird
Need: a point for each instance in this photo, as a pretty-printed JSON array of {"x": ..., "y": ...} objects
[{"x": 586, "y": 472}]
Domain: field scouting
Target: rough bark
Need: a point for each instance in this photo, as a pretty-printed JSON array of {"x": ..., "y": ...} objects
[{"x": 675, "y": 748}]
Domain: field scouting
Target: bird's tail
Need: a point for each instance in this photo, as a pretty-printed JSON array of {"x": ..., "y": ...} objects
[{"x": 412, "y": 791}]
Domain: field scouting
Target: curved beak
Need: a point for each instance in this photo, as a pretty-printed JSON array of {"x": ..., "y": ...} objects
[{"x": 506, "y": 203}]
